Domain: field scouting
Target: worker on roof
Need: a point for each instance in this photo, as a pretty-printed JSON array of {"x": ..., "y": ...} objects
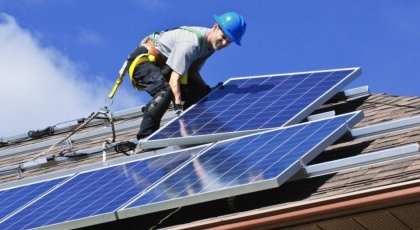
[{"x": 166, "y": 65}]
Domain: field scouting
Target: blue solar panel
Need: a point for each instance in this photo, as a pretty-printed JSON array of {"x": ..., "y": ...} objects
[
  {"x": 247, "y": 164},
  {"x": 253, "y": 103},
  {"x": 96, "y": 194},
  {"x": 15, "y": 198}
]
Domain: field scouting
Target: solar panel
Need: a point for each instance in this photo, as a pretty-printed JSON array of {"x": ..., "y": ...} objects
[
  {"x": 251, "y": 104},
  {"x": 13, "y": 199},
  {"x": 242, "y": 165},
  {"x": 93, "y": 197}
]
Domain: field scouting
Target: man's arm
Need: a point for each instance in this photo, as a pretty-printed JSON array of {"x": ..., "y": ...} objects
[{"x": 175, "y": 84}]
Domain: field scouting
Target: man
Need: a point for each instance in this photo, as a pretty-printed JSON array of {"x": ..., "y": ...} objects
[{"x": 166, "y": 65}]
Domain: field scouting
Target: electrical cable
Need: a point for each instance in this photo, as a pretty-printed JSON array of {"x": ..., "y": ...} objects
[
  {"x": 40, "y": 133},
  {"x": 91, "y": 117},
  {"x": 166, "y": 217},
  {"x": 124, "y": 147},
  {"x": 3, "y": 143}
]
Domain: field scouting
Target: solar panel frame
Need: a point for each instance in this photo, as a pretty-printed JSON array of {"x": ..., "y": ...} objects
[
  {"x": 149, "y": 142},
  {"x": 217, "y": 137},
  {"x": 130, "y": 211},
  {"x": 14, "y": 199},
  {"x": 60, "y": 193}
]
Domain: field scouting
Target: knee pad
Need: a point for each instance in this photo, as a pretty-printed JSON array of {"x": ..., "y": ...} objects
[{"x": 160, "y": 104}]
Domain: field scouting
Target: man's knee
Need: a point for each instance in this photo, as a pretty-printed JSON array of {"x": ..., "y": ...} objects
[{"x": 160, "y": 103}]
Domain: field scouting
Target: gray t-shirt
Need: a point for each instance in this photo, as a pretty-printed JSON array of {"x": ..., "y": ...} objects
[{"x": 183, "y": 49}]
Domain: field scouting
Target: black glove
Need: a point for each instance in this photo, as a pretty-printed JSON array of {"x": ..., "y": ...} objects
[
  {"x": 178, "y": 109},
  {"x": 219, "y": 85}
]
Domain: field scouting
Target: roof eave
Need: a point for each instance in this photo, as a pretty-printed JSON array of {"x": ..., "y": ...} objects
[{"x": 316, "y": 210}]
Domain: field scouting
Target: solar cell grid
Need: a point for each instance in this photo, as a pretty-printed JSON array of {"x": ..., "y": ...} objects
[
  {"x": 13, "y": 199},
  {"x": 98, "y": 192},
  {"x": 246, "y": 164},
  {"x": 254, "y": 103},
  {"x": 231, "y": 167}
]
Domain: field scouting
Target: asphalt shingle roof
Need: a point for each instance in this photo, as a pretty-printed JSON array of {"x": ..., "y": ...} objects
[{"x": 377, "y": 108}]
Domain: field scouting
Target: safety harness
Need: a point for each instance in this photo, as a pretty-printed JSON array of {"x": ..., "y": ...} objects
[{"x": 152, "y": 56}]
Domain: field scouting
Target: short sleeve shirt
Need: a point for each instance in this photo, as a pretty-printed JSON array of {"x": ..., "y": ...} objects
[{"x": 183, "y": 48}]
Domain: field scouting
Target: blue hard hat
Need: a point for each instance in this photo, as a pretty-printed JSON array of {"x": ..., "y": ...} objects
[{"x": 233, "y": 25}]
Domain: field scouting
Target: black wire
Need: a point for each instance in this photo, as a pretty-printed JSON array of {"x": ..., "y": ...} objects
[
  {"x": 101, "y": 118},
  {"x": 2, "y": 144},
  {"x": 124, "y": 147},
  {"x": 40, "y": 133},
  {"x": 76, "y": 155}
]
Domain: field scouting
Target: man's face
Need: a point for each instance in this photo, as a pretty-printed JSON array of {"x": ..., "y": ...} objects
[{"x": 220, "y": 40}]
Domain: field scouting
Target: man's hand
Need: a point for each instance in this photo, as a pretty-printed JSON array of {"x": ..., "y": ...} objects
[
  {"x": 219, "y": 85},
  {"x": 178, "y": 109}
]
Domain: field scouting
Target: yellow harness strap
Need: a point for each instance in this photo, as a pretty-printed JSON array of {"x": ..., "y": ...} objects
[
  {"x": 119, "y": 80},
  {"x": 184, "y": 79},
  {"x": 149, "y": 58},
  {"x": 138, "y": 60}
]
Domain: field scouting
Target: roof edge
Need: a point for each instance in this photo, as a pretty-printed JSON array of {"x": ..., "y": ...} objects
[{"x": 304, "y": 212}]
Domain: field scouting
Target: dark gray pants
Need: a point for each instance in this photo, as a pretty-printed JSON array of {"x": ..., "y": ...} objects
[
  {"x": 155, "y": 80},
  {"x": 149, "y": 76}
]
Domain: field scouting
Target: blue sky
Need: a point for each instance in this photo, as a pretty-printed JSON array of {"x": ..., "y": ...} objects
[{"x": 60, "y": 58}]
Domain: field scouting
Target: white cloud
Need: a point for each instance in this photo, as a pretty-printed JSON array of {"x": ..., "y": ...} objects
[
  {"x": 40, "y": 86},
  {"x": 89, "y": 37}
]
